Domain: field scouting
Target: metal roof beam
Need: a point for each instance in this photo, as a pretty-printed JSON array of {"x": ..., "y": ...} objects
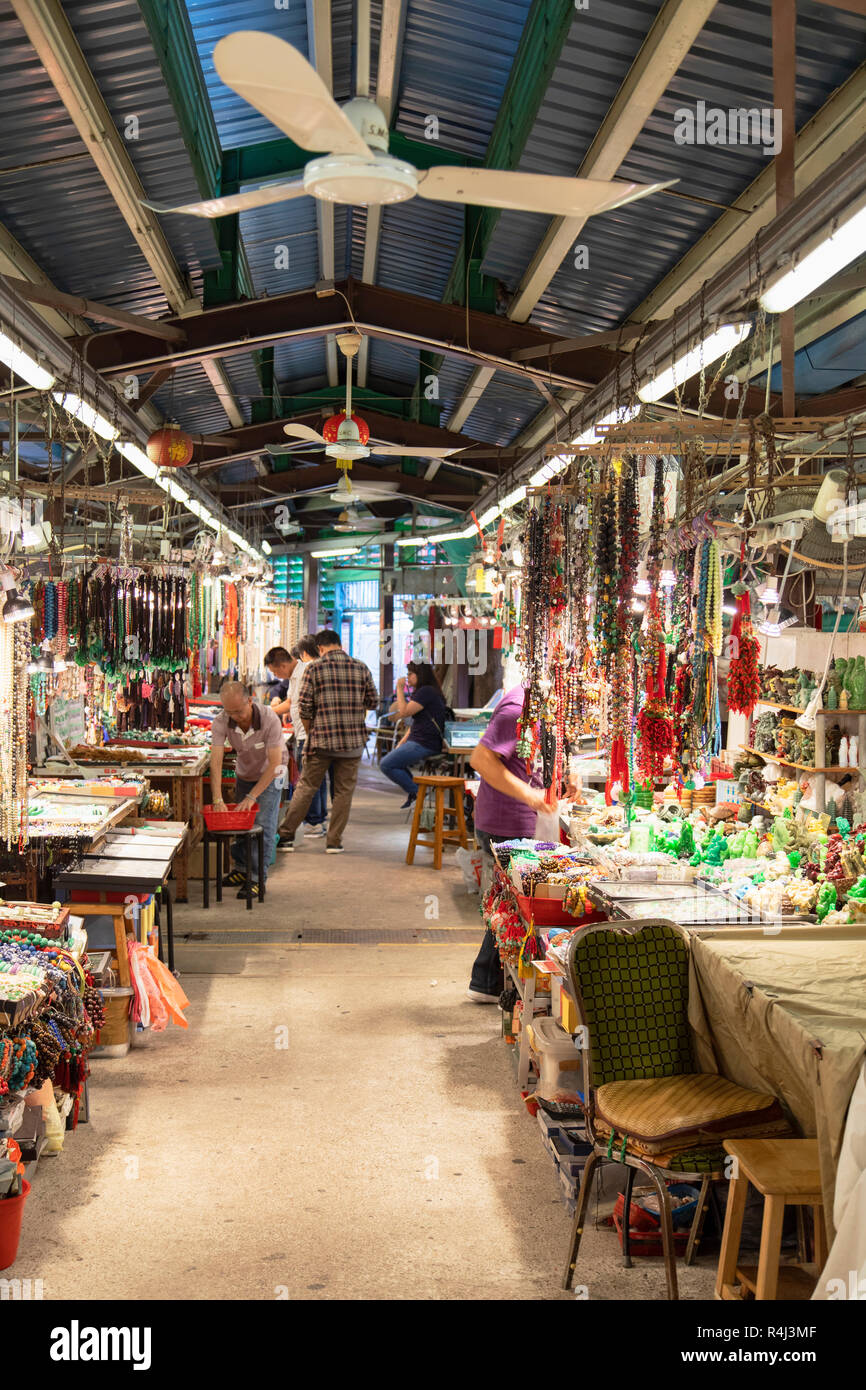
[
  {"x": 824, "y": 139},
  {"x": 839, "y": 123},
  {"x": 53, "y": 38},
  {"x": 171, "y": 34},
  {"x": 59, "y": 356},
  {"x": 546, "y": 29},
  {"x": 387, "y": 82},
  {"x": 16, "y": 263},
  {"x": 735, "y": 286},
  {"x": 388, "y": 314},
  {"x": 672, "y": 34},
  {"x": 170, "y": 30},
  {"x": 320, "y": 42}
]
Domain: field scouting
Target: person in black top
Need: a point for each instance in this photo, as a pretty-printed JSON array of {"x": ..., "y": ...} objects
[{"x": 419, "y": 699}]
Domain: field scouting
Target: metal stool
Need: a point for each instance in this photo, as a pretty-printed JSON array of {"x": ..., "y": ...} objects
[
  {"x": 219, "y": 836},
  {"x": 440, "y": 786}
]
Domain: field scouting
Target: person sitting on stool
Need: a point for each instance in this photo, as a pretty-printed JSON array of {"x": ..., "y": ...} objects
[
  {"x": 256, "y": 735},
  {"x": 425, "y": 706}
]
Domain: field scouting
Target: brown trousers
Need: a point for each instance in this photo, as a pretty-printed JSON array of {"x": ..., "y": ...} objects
[{"x": 316, "y": 765}]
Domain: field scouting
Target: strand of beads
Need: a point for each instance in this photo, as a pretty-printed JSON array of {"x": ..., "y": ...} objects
[{"x": 50, "y": 610}]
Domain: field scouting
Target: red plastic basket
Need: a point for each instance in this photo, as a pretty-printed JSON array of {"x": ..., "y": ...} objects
[
  {"x": 551, "y": 912},
  {"x": 229, "y": 820}
]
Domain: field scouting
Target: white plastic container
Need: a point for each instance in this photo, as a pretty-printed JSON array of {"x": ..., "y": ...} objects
[{"x": 559, "y": 1061}]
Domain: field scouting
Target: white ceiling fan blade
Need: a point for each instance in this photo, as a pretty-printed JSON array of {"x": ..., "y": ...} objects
[
  {"x": 410, "y": 451},
  {"x": 278, "y": 81},
  {"x": 304, "y": 432},
  {"x": 238, "y": 202},
  {"x": 496, "y": 188}
]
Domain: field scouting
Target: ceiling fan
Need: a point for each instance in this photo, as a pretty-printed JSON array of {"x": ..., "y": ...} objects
[
  {"x": 346, "y": 437},
  {"x": 347, "y": 494},
  {"x": 277, "y": 80}
]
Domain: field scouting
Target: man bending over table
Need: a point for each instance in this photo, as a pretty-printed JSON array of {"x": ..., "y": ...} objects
[{"x": 256, "y": 735}]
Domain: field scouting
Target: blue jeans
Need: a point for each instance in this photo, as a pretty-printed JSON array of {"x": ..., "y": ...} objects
[
  {"x": 395, "y": 763},
  {"x": 488, "y": 976},
  {"x": 267, "y": 815},
  {"x": 317, "y": 813}
]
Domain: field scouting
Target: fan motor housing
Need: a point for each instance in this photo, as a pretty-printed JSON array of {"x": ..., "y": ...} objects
[
  {"x": 349, "y": 178},
  {"x": 369, "y": 121}
]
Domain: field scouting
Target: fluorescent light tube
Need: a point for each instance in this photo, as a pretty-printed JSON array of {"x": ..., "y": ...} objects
[
  {"x": 512, "y": 499},
  {"x": 413, "y": 540},
  {"x": 177, "y": 492},
  {"x": 717, "y": 345},
  {"x": 330, "y": 554},
  {"x": 87, "y": 414},
  {"x": 486, "y": 517},
  {"x": 549, "y": 470},
  {"x": 138, "y": 458},
  {"x": 23, "y": 365},
  {"x": 266, "y": 547},
  {"x": 820, "y": 259}
]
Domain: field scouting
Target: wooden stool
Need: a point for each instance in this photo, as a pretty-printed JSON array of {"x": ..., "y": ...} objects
[
  {"x": 786, "y": 1173},
  {"x": 440, "y": 786}
]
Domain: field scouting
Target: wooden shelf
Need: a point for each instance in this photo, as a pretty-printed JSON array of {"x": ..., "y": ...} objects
[
  {"x": 802, "y": 767},
  {"x": 797, "y": 709},
  {"x": 774, "y": 704}
]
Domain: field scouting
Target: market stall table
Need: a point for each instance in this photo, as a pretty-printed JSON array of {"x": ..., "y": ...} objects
[
  {"x": 178, "y": 770},
  {"x": 121, "y": 873},
  {"x": 785, "y": 1011}
]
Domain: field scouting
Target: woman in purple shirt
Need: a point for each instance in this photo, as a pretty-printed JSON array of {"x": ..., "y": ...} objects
[{"x": 506, "y": 806}]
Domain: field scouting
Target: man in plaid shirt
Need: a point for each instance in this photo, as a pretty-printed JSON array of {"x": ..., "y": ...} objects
[{"x": 336, "y": 692}]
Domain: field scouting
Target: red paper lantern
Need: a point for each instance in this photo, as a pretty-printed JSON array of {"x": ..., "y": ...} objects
[
  {"x": 331, "y": 427},
  {"x": 170, "y": 447}
]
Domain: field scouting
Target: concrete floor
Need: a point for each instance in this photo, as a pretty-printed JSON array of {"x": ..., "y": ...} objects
[{"x": 337, "y": 1123}]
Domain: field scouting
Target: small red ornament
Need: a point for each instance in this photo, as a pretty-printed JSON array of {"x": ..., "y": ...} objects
[
  {"x": 170, "y": 447},
  {"x": 331, "y": 427}
]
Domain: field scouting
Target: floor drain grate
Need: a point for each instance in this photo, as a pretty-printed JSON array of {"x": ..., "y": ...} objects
[{"x": 331, "y": 936}]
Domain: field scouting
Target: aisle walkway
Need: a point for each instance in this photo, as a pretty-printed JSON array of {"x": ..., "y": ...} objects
[{"x": 337, "y": 1123}]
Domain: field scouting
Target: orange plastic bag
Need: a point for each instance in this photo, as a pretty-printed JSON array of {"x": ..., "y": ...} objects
[{"x": 169, "y": 987}]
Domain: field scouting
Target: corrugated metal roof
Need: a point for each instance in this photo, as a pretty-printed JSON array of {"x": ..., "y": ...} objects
[
  {"x": 282, "y": 246},
  {"x": 455, "y": 62},
  {"x": 505, "y": 408},
  {"x": 189, "y": 398},
  {"x": 730, "y": 65},
  {"x": 392, "y": 362},
  {"x": 301, "y": 365},
  {"x": 457, "y": 55},
  {"x": 239, "y": 123},
  {"x": 417, "y": 246},
  {"x": 62, "y": 212}
]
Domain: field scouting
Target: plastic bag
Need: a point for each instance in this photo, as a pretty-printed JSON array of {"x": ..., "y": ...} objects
[
  {"x": 148, "y": 1008},
  {"x": 547, "y": 826},
  {"x": 54, "y": 1128},
  {"x": 470, "y": 867},
  {"x": 169, "y": 988}
]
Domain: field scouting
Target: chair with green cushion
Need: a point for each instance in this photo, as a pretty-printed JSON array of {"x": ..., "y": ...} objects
[{"x": 646, "y": 1105}]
